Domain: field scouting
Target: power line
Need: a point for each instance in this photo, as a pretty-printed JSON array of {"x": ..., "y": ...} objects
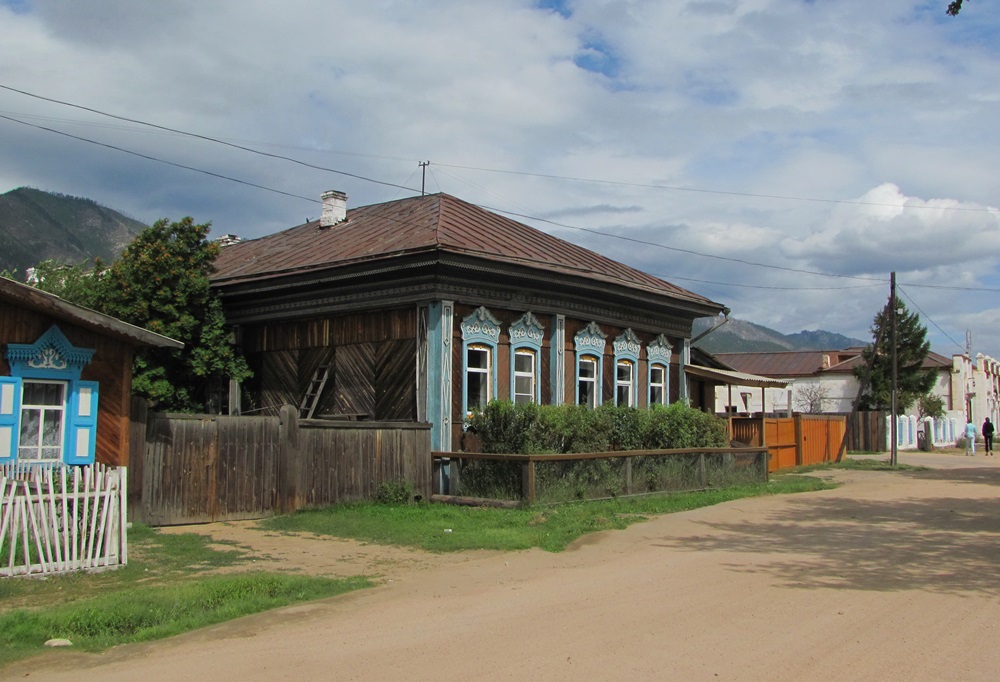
[
  {"x": 680, "y": 250},
  {"x": 159, "y": 160},
  {"x": 672, "y": 188},
  {"x": 899, "y": 289},
  {"x": 206, "y": 138},
  {"x": 752, "y": 195}
]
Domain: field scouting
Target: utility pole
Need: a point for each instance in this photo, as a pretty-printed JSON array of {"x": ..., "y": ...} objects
[
  {"x": 423, "y": 179},
  {"x": 893, "y": 458}
]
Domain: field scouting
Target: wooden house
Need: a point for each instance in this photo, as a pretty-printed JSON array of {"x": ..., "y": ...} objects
[
  {"x": 425, "y": 308},
  {"x": 65, "y": 379}
]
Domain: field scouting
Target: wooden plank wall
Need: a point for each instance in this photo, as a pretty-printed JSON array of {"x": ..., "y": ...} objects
[{"x": 205, "y": 468}]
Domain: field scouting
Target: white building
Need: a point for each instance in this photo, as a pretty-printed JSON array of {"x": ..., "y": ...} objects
[{"x": 824, "y": 381}]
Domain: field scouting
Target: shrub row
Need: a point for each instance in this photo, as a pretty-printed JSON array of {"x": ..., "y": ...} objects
[{"x": 526, "y": 428}]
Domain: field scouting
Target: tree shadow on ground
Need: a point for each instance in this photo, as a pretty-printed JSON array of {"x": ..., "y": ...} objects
[{"x": 948, "y": 545}]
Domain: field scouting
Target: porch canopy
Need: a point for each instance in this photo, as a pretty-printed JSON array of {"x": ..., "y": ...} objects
[{"x": 731, "y": 377}]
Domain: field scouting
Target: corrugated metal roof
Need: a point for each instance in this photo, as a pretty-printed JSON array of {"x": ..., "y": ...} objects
[
  {"x": 436, "y": 222},
  {"x": 44, "y": 302},
  {"x": 810, "y": 362},
  {"x": 734, "y": 378}
]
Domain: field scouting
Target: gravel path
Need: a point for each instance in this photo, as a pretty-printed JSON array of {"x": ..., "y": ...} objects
[{"x": 892, "y": 576}]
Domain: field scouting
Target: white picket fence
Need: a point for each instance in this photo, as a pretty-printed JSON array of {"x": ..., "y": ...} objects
[
  {"x": 56, "y": 519},
  {"x": 942, "y": 432}
]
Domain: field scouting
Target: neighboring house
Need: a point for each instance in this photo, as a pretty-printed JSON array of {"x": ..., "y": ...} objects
[
  {"x": 424, "y": 309},
  {"x": 65, "y": 379},
  {"x": 824, "y": 381}
]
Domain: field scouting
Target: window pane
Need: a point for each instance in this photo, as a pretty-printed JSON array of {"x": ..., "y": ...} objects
[
  {"x": 625, "y": 372},
  {"x": 52, "y": 427},
  {"x": 31, "y": 421},
  {"x": 588, "y": 369},
  {"x": 522, "y": 385},
  {"x": 656, "y": 375},
  {"x": 624, "y": 395},
  {"x": 478, "y": 358},
  {"x": 587, "y": 393},
  {"x": 656, "y": 395},
  {"x": 524, "y": 362},
  {"x": 38, "y": 393},
  {"x": 478, "y": 395}
]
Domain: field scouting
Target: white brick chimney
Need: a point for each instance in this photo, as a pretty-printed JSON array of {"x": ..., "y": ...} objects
[{"x": 334, "y": 208}]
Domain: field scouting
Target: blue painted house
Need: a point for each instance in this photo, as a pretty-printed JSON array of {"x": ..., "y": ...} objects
[
  {"x": 65, "y": 379},
  {"x": 423, "y": 309}
]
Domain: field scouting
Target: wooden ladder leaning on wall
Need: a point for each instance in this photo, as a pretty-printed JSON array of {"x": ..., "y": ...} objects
[{"x": 311, "y": 398}]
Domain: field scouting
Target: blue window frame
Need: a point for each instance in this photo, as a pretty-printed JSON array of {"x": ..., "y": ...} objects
[
  {"x": 480, "y": 335},
  {"x": 526, "y": 336},
  {"x": 627, "y": 348},
  {"x": 658, "y": 353},
  {"x": 47, "y": 413},
  {"x": 590, "y": 343}
]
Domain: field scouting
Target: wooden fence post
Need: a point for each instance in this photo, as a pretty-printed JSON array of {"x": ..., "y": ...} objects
[
  {"x": 289, "y": 461},
  {"x": 528, "y": 481}
]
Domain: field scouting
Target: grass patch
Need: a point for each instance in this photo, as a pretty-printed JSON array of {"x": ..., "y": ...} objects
[
  {"x": 169, "y": 586},
  {"x": 446, "y": 528},
  {"x": 141, "y": 614},
  {"x": 859, "y": 465}
]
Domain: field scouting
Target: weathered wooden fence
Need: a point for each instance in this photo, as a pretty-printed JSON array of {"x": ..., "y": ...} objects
[
  {"x": 204, "y": 468},
  {"x": 792, "y": 441},
  {"x": 867, "y": 432},
  {"x": 529, "y": 479},
  {"x": 56, "y": 519}
]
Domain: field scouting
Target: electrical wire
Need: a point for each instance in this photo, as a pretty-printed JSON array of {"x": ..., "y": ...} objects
[{"x": 927, "y": 317}]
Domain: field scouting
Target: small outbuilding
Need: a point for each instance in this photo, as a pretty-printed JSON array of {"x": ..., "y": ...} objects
[{"x": 65, "y": 379}]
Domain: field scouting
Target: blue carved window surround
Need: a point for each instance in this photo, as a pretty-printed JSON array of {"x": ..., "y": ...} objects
[{"x": 52, "y": 360}]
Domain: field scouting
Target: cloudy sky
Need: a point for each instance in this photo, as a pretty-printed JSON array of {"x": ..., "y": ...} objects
[{"x": 781, "y": 157}]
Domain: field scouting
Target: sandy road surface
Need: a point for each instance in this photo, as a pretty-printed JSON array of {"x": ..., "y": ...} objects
[{"x": 892, "y": 576}]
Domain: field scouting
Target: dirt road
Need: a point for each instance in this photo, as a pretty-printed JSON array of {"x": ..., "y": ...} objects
[{"x": 892, "y": 576}]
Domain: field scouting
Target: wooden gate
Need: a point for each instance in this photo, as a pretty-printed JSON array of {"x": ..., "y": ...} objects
[{"x": 799, "y": 440}]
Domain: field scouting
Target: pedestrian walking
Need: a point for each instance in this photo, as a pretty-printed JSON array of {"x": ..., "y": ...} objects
[
  {"x": 970, "y": 438},
  {"x": 988, "y": 435}
]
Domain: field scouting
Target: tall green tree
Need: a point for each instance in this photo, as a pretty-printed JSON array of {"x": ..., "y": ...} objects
[
  {"x": 912, "y": 347},
  {"x": 161, "y": 283}
]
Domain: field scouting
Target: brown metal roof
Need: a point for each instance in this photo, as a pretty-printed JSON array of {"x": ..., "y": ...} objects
[
  {"x": 49, "y": 304},
  {"x": 436, "y": 222},
  {"x": 809, "y": 362}
]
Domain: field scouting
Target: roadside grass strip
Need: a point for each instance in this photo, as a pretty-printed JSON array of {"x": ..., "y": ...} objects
[
  {"x": 140, "y": 614},
  {"x": 448, "y": 528}
]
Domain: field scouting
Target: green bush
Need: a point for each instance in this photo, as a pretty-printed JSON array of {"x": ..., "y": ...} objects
[
  {"x": 508, "y": 428},
  {"x": 394, "y": 492}
]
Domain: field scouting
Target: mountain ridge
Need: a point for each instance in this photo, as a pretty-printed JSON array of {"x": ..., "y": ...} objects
[
  {"x": 37, "y": 225},
  {"x": 742, "y": 336}
]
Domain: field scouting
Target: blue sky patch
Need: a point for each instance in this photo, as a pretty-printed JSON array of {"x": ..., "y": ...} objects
[
  {"x": 560, "y": 7},
  {"x": 597, "y": 56},
  {"x": 18, "y": 6}
]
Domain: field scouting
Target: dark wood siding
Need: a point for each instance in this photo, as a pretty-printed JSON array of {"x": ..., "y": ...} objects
[{"x": 372, "y": 356}]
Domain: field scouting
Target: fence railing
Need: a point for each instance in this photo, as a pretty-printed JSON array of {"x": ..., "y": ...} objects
[
  {"x": 56, "y": 519},
  {"x": 549, "y": 479}
]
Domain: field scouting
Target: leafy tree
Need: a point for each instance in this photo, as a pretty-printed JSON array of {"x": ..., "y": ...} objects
[
  {"x": 912, "y": 347},
  {"x": 930, "y": 406},
  {"x": 73, "y": 283},
  {"x": 954, "y": 8},
  {"x": 161, "y": 283}
]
